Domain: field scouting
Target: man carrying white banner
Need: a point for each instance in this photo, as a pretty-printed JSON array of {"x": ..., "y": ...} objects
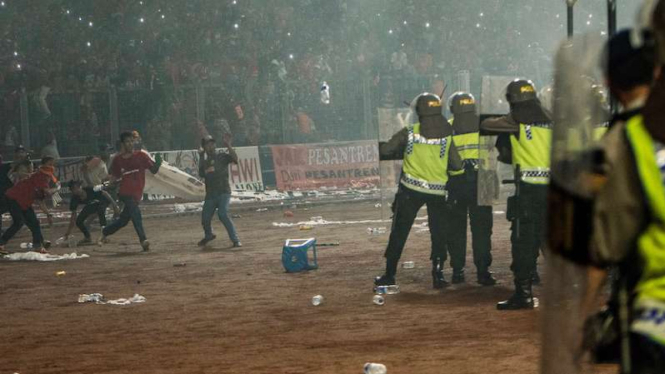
[{"x": 214, "y": 168}]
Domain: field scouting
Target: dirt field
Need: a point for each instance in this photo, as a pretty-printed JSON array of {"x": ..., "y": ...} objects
[{"x": 237, "y": 311}]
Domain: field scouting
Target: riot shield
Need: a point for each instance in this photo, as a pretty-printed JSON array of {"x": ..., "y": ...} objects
[
  {"x": 391, "y": 120},
  {"x": 490, "y": 172},
  {"x": 488, "y": 168},
  {"x": 575, "y": 168}
]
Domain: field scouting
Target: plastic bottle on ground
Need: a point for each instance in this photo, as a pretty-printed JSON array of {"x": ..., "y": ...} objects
[
  {"x": 372, "y": 368},
  {"x": 408, "y": 264},
  {"x": 317, "y": 300},
  {"x": 379, "y": 300},
  {"x": 26, "y": 245},
  {"x": 376, "y": 230}
]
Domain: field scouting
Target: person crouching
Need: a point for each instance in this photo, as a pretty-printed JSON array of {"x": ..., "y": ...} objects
[{"x": 20, "y": 199}]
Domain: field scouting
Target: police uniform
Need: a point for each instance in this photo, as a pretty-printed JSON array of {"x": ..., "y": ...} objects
[
  {"x": 524, "y": 141},
  {"x": 463, "y": 187},
  {"x": 428, "y": 153},
  {"x": 629, "y": 208}
]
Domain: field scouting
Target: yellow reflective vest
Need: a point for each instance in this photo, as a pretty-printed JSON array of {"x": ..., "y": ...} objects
[
  {"x": 425, "y": 166},
  {"x": 650, "y": 290},
  {"x": 531, "y": 151}
]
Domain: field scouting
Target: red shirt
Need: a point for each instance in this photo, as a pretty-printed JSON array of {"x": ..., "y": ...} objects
[
  {"x": 25, "y": 191},
  {"x": 132, "y": 171}
]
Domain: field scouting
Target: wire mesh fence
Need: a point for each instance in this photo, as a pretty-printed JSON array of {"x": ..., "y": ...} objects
[{"x": 176, "y": 117}]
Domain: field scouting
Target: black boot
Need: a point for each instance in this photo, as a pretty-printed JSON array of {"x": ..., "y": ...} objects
[
  {"x": 521, "y": 299},
  {"x": 458, "y": 276},
  {"x": 384, "y": 280},
  {"x": 438, "y": 282},
  {"x": 535, "y": 279},
  {"x": 388, "y": 279},
  {"x": 486, "y": 278}
]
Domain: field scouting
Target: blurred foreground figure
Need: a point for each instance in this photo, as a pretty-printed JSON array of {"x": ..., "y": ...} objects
[
  {"x": 429, "y": 154},
  {"x": 524, "y": 140},
  {"x": 628, "y": 211},
  {"x": 607, "y": 208},
  {"x": 463, "y": 198}
]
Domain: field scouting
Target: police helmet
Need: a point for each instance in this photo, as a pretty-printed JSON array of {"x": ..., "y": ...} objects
[
  {"x": 520, "y": 90},
  {"x": 462, "y": 102},
  {"x": 427, "y": 104}
]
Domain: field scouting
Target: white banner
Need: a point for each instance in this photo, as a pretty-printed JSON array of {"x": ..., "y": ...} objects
[{"x": 245, "y": 176}]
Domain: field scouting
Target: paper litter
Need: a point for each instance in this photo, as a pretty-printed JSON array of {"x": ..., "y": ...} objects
[
  {"x": 98, "y": 298},
  {"x": 36, "y": 256}
]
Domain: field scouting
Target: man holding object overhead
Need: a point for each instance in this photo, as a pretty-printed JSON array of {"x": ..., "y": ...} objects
[{"x": 214, "y": 169}]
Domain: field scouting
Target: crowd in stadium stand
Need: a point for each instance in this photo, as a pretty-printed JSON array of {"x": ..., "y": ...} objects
[{"x": 265, "y": 59}]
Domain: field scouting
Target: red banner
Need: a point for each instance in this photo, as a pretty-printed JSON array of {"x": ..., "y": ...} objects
[{"x": 312, "y": 166}]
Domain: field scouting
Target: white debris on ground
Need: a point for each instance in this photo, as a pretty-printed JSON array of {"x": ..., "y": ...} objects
[
  {"x": 376, "y": 230},
  {"x": 187, "y": 207},
  {"x": 422, "y": 227},
  {"x": 98, "y": 298},
  {"x": 319, "y": 221},
  {"x": 273, "y": 195},
  {"x": 35, "y": 256},
  {"x": 323, "y": 222}
]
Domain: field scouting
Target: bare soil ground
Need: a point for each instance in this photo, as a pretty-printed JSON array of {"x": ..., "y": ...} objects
[{"x": 237, "y": 311}]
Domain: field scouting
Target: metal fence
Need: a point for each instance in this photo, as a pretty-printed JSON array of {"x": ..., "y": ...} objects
[{"x": 171, "y": 117}]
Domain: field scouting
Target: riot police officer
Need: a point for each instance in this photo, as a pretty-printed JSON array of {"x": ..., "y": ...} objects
[
  {"x": 524, "y": 140},
  {"x": 428, "y": 153},
  {"x": 463, "y": 195}
]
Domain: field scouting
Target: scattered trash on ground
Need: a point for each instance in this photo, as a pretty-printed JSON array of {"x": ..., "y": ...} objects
[
  {"x": 379, "y": 300},
  {"x": 36, "y": 256},
  {"x": 306, "y": 227},
  {"x": 372, "y": 368},
  {"x": 317, "y": 300},
  {"x": 288, "y": 214},
  {"x": 98, "y": 298},
  {"x": 324, "y": 222},
  {"x": 60, "y": 273},
  {"x": 378, "y": 205},
  {"x": 376, "y": 230},
  {"x": 420, "y": 228},
  {"x": 236, "y": 216},
  {"x": 408, "y": 265},
  {"x": 187, "y": 207},
  {"x": 262, "y": 210},
  {"x": 66, "y": 242}
]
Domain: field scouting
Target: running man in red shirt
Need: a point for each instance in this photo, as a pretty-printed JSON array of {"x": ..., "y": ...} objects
[
  {"x": 128, "y": 169},
  {"x": 20, "y": 199}
]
